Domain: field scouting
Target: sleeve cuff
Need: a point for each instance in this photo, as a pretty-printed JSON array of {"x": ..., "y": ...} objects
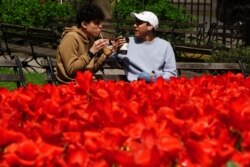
[{"x": 91, "y": 55}]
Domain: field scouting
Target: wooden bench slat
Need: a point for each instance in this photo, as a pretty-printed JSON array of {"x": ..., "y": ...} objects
[
  {"x": 183, "y": 68},
  {"x": 43, "y": 52},
  {"x": 207, "y": 66},
  {"x": 10, "y": 78},
  {"x": 20, "y": 48},
  {"x": 111, "y": 77},
  {"x": 114, "y": 71},
  {"x": 14, "y": 73}
]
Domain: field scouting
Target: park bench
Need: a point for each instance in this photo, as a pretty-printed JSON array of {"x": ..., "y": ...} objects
[
  {"x": 113, "y": 70},
  {"x": 34, "y": 43},
  {"x": 43, "y": 43},
  {"x": 15, "y": 38},
  {"x": 12, "y": 71},
  {"x": 116, "y": 71},
  {"x": 210, "y": 68}
]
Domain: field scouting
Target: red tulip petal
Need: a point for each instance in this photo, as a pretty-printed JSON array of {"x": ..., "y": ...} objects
[
  {"x": 27, "y": 150},
  {"x": 77, "y": 158},
  {"x": 197, "y": 154},
  {"x": 9, "y": 136}
]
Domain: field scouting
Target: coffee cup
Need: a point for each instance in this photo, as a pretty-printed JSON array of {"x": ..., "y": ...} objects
[{"x": 107, "y": 50}]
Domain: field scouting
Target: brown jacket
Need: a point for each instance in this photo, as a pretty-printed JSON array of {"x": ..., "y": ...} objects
[{"x": 72, "y": 55}]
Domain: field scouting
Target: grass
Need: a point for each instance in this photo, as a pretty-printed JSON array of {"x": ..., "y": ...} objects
[
  {"x": 31, "y": 77},
  {"x": 35, "y": 78}
]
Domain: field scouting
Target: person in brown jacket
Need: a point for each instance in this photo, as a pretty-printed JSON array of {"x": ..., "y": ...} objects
[{"x": 78, "y": 49}]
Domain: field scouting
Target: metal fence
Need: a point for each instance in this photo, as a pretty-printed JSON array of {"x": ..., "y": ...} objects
[{"x": 204, "y": 10}]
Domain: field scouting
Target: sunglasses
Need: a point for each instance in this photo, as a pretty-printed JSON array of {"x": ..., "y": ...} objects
[{"x": 139, "y": 22}]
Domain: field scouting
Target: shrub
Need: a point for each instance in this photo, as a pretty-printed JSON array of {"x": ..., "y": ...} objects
[
  {"x": 162, "y": 8},
  {"x": 32, "y": 12},
  {"x": 232, "y": 55}
]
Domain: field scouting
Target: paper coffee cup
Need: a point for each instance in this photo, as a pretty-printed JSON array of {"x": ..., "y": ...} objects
[{"x": 107, "y": 50}]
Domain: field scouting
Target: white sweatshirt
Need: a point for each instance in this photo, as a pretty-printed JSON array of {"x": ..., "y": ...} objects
[{"x": 156, "y": 56}]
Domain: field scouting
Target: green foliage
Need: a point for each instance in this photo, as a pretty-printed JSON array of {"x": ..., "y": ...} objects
[
  {"x": 231, "y": 164},
  {"x": 35, "y": 78},
  {"x": 162, "y": 8},
  {"x": 232, "y": 55},
  {"x": 32, "y": 12}
]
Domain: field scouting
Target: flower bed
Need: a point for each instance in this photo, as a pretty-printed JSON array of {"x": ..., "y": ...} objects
[{"x": 203, "y": 121}]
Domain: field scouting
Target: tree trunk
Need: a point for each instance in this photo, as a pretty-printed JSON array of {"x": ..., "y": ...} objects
[{"x": 106, "y": 7}]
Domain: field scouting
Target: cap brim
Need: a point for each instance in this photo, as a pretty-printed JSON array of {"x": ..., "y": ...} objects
[
  {"x": 137, "y": 16},
  {"x": 133, "y": 14}
]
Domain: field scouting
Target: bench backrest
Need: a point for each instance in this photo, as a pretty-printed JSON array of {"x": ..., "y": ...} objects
[
  {"x": 193, "y": 68},
  {"x": 14, "y": 34},
  {"x": 43, "y": 42},
  {"x": 33, "y": 42},
  {"x": 113, "y": 70},
  {"x": 43, "y": 37}
]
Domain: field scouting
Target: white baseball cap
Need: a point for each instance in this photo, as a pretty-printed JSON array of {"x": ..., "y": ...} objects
[{"x": 147, "y": 16}]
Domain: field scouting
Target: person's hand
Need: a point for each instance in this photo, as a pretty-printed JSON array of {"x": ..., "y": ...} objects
[
  {"x": 99, "y": 45},
  {"x": 148, "y": 77},
  {"x": 107, "y": 50},
  {"x": 118, "y": 42}
]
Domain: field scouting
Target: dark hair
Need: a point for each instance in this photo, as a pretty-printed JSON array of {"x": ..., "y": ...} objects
[{"x": 89, "y": 12}]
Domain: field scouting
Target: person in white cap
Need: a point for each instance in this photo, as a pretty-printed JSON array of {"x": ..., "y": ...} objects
[{"x": 148, "y": 57}]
